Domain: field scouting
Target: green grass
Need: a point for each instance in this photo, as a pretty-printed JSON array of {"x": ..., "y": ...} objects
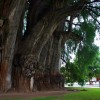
[{"x": 90, "y": 94}]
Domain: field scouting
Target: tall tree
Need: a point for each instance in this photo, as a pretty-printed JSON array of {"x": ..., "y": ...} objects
[{"x": 50, "y": 23}]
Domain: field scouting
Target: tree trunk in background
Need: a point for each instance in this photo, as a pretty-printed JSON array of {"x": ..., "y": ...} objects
[
  {"x": 50, "y": 59},
  {"x": 9, "y": 45},
  {"x": 49, "y": 54},
  {"x": 44, "y": 54},
  {"x": 56, "y": 53}
]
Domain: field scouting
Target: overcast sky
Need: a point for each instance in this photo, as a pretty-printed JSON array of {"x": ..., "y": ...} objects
[{"x": 97, "y": 39}]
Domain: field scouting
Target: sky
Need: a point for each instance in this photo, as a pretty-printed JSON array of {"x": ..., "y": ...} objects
[{"x": 97, "y": 39}]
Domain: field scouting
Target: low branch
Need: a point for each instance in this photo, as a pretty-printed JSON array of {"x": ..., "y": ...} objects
[
  {"x": 69, "y": 35},
  {"x": 92, "y": 11},
  {"x": 76, "y": 37},
  {"x": 64, "y": 60},
  {"x": 94, "y": 18}
]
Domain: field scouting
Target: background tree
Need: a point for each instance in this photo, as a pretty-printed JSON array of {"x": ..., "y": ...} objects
[
  {"x": 94, "y": 69},
  {"x": 84, "y": 67}
]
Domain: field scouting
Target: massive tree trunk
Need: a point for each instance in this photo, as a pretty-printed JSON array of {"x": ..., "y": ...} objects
[
  {"x": 40, "y": 36},
  {"x": 12, "y": 15},
  {"x": 39, "y": 32}
]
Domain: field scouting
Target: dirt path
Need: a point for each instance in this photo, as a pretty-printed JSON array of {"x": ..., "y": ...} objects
[{"x": 24, "y": 96}]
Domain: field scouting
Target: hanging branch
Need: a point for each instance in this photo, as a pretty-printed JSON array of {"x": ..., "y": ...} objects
[
  {"x": 94, "y": 7},
  {"x": 95, "y": 1},
  {"x": 63, "y": 60},
  {"x": 89, "y": 9},
  {"x": 94, "y": 18}
]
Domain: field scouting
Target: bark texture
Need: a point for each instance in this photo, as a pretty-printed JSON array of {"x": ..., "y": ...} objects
[
  {"x": 12, "y": 15},
  {"x": 32, "y": 61}
]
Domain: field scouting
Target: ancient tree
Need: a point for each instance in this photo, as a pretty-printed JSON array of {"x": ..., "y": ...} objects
[{"x": 32, "y": 51}]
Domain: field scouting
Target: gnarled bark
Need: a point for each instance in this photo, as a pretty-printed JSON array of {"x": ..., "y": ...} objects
[
  {"x": 8, "y": 51},
  {"x": 40, "y": 28}
]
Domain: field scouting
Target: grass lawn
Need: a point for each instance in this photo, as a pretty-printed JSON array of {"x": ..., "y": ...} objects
[{"x": 89, "y": 94}]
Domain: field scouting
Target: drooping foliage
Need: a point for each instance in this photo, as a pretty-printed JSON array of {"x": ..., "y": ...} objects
[{"x": 85, "y": 50}]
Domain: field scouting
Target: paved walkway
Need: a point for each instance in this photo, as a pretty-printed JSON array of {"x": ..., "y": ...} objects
[
  {"x": 87, "y": 85},
  {"x": 25, "y": 96}
]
